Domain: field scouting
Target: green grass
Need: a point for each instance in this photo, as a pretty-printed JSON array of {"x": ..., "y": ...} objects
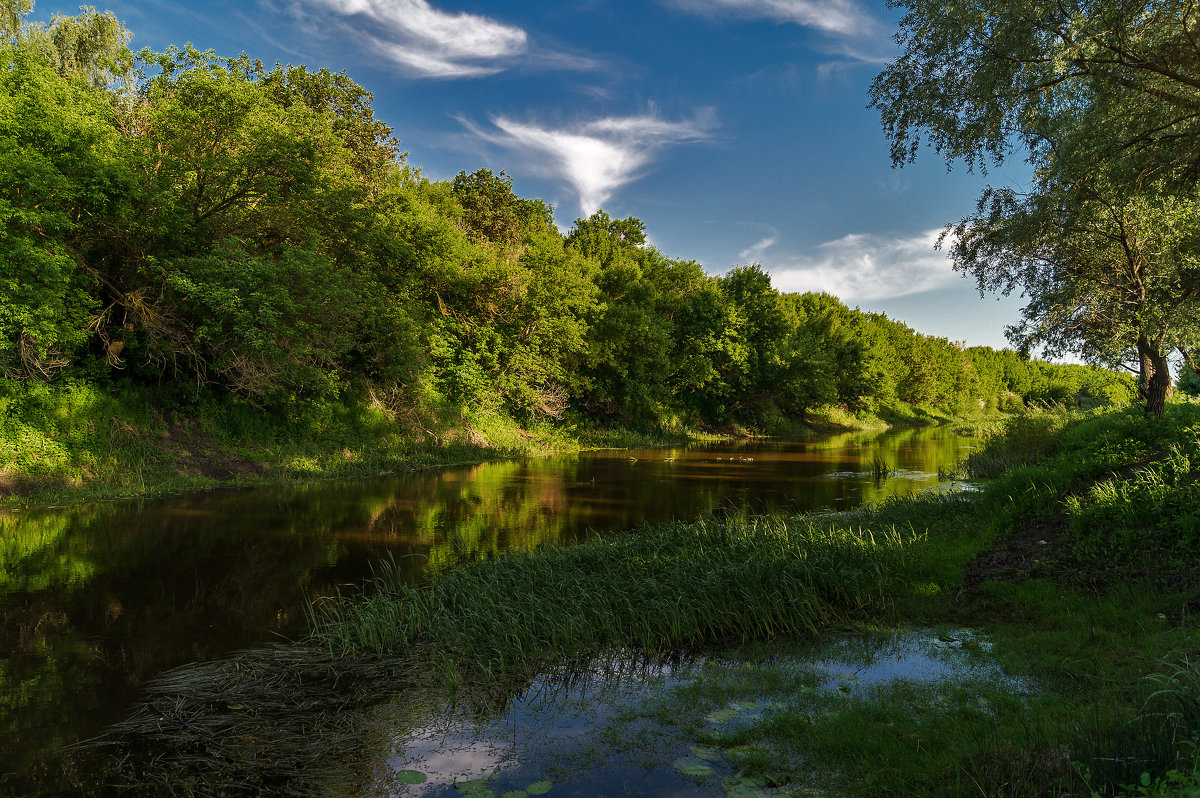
[
  {"x": 1089, "y": 617},
  {"x": 658, "y": 589}
]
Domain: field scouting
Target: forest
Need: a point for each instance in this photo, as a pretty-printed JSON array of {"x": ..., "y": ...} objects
[{"x": 204, "y": 226}]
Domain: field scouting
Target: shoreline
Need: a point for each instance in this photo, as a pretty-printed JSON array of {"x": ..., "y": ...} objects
[{"x": 123, "y": 454}]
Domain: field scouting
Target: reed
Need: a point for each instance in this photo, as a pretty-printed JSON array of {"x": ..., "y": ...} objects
[
  {"x": 880, "y": 470},
  {"x": 659, "y": 588}
]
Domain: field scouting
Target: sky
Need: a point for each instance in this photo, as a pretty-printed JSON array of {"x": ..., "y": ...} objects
[{"x": 737, "y": 130}]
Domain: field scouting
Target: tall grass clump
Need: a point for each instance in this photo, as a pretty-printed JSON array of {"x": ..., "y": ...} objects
[
  {"x": 656, "y": 589},
  {"x": 1025, "y": 440}
]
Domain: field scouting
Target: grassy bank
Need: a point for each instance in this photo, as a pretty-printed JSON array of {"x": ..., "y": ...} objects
[
  {"x": 1077, "y": 565},
  {"x": 75, "y": 441}
]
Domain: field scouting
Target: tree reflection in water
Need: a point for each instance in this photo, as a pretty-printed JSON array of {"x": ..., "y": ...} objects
[{"x": 96, "y": 600}]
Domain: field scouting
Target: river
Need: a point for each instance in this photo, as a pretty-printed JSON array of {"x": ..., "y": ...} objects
[{"x": 97, "y": 599}]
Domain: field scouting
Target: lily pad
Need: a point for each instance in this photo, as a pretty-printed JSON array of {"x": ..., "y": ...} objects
[
  {"x": 693, "y": 767},
  {"x": 472, "y": 786},
  {"x": 722, "y": 715},
  {"x": 411, "y": 777},
  {"x": 707, "y": 754},
  {"x": 539, "y": 787}
]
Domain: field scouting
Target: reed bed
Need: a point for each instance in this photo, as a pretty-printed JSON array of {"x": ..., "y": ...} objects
[{"x": 659, "y": 588}]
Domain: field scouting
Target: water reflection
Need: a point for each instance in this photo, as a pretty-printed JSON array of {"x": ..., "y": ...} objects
[
  {"x": 629, "y": 730},
  {"x": 96, "y": 600}
]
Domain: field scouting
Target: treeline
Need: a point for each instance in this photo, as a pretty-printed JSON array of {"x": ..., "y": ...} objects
[{"x": 216, "y": 225}]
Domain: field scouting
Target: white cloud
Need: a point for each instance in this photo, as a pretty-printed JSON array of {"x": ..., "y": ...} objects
[
  {"x": 842, "y": 17},
  {"x": 433, "y": 43},
  {"x": 862, "y": 267},
  {"x": 754, "y": 252},
  {"x": 595, "y": 157}
]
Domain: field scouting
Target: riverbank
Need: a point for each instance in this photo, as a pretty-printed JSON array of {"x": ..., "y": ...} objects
[
  {"x": 1077, "y": 566},
  {"x": 1065, "y": 589},
  {"x": 74, "y": 442}
]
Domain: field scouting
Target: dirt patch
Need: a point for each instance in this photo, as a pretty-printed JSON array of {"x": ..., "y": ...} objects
[
  {"x": 1043, "y": 550},
  {"x": 195, "y": 454},
  {"x": 1028, "y": 551}
]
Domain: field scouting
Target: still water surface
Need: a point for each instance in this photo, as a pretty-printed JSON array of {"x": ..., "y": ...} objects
[{"x": 95, "y": 600}]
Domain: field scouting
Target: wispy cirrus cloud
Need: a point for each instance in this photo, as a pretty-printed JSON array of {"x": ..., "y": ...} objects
[
  {"x": 755, "y": 252},
  {"x": 862, "y": 267},
  {"x": 428, "y": 42},
  {"x": 595, "y": 157},
  {"x": 850, "y": 31},
  {"x": 842, "y": 17}
]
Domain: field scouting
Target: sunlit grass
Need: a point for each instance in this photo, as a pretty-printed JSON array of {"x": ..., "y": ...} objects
[{"x": 660, "y": 588}]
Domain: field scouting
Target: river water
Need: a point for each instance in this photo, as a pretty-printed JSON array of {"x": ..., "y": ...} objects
[{"x": 96, "y": 600}]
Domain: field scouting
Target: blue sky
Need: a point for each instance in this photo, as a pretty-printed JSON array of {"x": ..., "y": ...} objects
[{"x": 737, "y": 130}]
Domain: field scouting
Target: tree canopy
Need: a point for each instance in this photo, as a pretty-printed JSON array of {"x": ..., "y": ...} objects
[
  {"x": 1103, "y": 99},
  {"x": 215, "y": 225}
]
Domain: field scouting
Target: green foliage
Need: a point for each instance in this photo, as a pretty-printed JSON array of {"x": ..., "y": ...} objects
[
  {"x": 492, "y": 211},
  {"x": 1102, "y": 97},
  {"x": 90, "y": 47},
  {"x": 660, "y": 589},
  {"x": 206, "y": 223},
  {"x": 61, "y": 155}
]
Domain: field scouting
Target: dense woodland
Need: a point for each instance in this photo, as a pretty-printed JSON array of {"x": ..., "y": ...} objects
[{"x": 221, "y": 227}]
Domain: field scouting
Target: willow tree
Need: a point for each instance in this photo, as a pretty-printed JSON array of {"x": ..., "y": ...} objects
[
  {"x": 1102, "y": 97},
  {"x": 1110, "y": 275},
  {"x": 91, "y": 45}
]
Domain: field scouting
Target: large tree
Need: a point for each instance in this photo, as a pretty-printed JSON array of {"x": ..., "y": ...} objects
[
  {"x": 977, "y": 77},
  {"x": 1110, "y": 274},
  {"x": 1103, "y": 99}
]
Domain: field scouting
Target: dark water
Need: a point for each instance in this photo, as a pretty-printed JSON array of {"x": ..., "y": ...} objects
[{"x": 95, "y": 600}]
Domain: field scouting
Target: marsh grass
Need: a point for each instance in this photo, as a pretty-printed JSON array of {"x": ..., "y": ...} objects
[
  {"x": 1024, "y": 440},
  {"x": 659, "y": 588},
  {"x": 1119, "y": 751},
  {"x": 880, "y": 470}
]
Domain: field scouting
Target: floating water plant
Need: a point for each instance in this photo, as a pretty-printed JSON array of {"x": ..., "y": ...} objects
[
  {"x": 411, "y": 777},
  {"x": 723, "y": 715},
  {"x": 696, "y": 768}
]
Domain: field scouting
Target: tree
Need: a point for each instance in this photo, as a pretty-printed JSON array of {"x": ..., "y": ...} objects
[
  {"x": 1112, "y": 276},
  {"x": 1104, "y": 97},
  {"x": 492, "y": 211},
  {"x": 91, "y": 46},
  {"x": 975, "y": 75},
  {"x": 60, "y": 170}
]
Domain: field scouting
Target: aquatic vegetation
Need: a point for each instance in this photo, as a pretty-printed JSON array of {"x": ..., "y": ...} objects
[
  {"x": 1052, "y": 696},
  {"x": 662, "y": 588}
]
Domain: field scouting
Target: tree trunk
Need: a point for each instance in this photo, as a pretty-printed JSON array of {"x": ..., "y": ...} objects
[
  {"x": 1155, "y": 378},
  {"x": 1146, "y": 368}
]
